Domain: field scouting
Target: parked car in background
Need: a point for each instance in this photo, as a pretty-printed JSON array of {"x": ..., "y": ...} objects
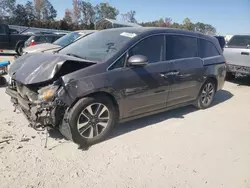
[
  {"x": 11, "y": 39},
  {"x": 41, "y": 38},
  {"x": 61, "y": 42},
  {"x": 237, "y": 54},
  {"x": 116, "y": 75}
]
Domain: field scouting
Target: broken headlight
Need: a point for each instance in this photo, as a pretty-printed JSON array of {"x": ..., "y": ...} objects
[{"x": 47, "y": 93}]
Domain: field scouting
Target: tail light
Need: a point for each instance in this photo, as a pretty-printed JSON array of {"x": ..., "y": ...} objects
[{"x": 32, "y": 43}]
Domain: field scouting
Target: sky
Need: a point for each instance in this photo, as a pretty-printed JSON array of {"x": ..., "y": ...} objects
[{"x": 227, "y": 16}]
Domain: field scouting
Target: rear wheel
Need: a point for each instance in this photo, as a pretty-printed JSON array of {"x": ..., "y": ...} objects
[
  {"x": 206, "y": 95},
  {"x": 92, "y": 119}
]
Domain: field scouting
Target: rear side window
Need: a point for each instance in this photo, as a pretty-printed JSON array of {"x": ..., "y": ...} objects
[
  {"x": 30, "y": 39},
  {"x": 151, "y": 47},
  {"x": 44, "y": 39},
  {"x": 179, "y": 47},
  {"x": 241, "y": 41},
  {"x": 207, "y": 49}
]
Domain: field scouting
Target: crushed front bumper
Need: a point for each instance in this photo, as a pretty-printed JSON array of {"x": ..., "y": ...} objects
[{"x": 51, "y": 114}]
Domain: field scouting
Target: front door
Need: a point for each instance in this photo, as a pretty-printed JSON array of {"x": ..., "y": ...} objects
[
  {"x": 4, "y": 38},
  {"x": 144, "y": 89},
  {"x": 186, "y": 71}
]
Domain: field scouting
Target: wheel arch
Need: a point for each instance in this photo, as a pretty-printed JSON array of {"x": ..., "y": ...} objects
[
  {"x": 99, "y": 93},
  {"x": 214, "y": 79},
  {"x": 20, "y": 42}
]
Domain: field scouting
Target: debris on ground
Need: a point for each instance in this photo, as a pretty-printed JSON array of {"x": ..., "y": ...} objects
[
  {"x": 19, "y": 147},
  {"x": 6, "y": 141},
  {"x": 25, "y": 140}
]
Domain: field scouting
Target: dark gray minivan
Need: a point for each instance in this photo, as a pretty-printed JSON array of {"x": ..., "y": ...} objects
[{"x": 116, "y": 75}]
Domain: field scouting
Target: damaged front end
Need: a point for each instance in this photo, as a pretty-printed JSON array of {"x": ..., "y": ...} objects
[
  {"x": 41, "y": 105},
  {"x": 37, "y": 89}
]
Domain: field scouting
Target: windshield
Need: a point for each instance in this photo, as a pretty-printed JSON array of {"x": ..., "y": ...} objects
[
  {"x": 98, "y": 46},
  {"x": 239, "y": 41},
  {"x": 67, "y": 39}
]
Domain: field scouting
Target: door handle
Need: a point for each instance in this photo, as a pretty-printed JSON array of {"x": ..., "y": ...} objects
[
  {"x": 173, "y": 73},
  {"x": 244, "y": 53}
]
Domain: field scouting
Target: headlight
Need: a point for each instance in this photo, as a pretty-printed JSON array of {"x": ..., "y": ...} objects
[{"x": 47, "y": 93}]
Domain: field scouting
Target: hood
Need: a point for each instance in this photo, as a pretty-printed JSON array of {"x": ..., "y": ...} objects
[
  {"x": 42, "y": 67},
  {"x": 41, "y": 48}
]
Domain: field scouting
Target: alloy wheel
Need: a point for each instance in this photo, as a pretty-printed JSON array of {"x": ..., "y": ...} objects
[
  {"x": 207, "y": 94},
  {"x": 93, "y": 120}
]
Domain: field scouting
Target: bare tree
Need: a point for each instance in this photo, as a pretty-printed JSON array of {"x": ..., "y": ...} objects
[
  {"x": 76, "y": 11},
  {"x": 129, "y": 16},
  {"x": 68, "y": 16},
  {"x": 88, "y": 13},
  {"x": 39, "y": 4}
]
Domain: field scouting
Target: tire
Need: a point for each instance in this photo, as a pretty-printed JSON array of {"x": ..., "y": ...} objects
[
  {"x": 99, "y": 131},
  {"x": 205, "y": 92},
  {"x": 19, "y": 49},
  {"x": 230, "y": 76},
  {"x": 3, "y": 81}
]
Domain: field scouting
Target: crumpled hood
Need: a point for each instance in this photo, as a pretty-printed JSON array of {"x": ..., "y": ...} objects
[
  {"x": 39, "y": 67},
  {"x": 41, "y": 48}
]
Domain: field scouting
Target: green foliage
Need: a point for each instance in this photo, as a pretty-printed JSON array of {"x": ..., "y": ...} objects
[
  {"x": 41, "y": 13},
  {"x": 104, "y": 10},
  {"x": 186, "y": 24}
]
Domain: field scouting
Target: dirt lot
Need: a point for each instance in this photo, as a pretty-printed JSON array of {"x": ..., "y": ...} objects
[{"x": 181, "y": 148}]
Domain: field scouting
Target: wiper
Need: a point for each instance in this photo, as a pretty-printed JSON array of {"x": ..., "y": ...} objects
[
  {"x": 74, "y": 55},
  {"x": 84, "y": 58}
]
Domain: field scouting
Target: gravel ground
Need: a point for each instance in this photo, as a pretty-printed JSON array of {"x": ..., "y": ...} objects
[{"x": 181, "y": 148}]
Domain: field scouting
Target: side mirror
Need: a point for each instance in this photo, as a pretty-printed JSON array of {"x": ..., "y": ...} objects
[{"x": 138, "y": 60}]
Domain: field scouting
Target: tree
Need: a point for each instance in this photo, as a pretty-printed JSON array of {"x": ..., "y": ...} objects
[
  {"x": 68, "y": 16},
  {"x": 7, "y": 7},
  {"x": 104, "y": 10},
  {"x": 88, "y": 13},
  {"x": 38, "y": 4},
  {"x": 30, "y": 11},
  {"x": 48, "y": 11},
  {"x": 129, "y": 16},
  {"x": 20, "y": 16},
  {"x": 205, "y": 28},
  {"x": 76, "y": 11},
  {"x": 168, "y": 22},
  {"x": 188, "y": 25}
]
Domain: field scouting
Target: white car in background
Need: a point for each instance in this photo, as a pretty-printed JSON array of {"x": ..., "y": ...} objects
[{"x": 61, "y": 42}]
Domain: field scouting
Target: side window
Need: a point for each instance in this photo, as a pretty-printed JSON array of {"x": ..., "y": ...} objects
[
  {"x": 178, "y": 47},
  {"x": 120, "y": 63},
  {"x": 207, "y": 49},
  {"x": 151, "y": 47},
  {"x": 2, "y": 30},
  {"x": 44, "y": 39}
]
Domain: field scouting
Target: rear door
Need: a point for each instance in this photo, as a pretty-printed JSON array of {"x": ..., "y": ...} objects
[
  {"x": 186, "y": 71},
  {"x": 237, "y": 50}
]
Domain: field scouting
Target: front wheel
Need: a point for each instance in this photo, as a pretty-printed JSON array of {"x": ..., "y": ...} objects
[
  {"x": 92, "y": 119},
  {"x": 206, "y": 95}
]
